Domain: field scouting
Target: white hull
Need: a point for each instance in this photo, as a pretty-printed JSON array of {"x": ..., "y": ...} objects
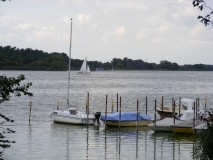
[
  {"x": 84, "y": 73},
  {"x": 164, "y": 125},
  {"x": 67, "y": 118}
]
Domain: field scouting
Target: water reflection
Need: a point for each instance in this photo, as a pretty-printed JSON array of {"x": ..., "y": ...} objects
[
  {"x": 124, "y": 143},
  {"x": 92, "y": 142},
  {"x": 67, "y": 143},
  {"x": 136, "y": 143}
]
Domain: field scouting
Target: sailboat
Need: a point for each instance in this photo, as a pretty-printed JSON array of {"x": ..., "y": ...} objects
[
  {"x": 84, "y": 68},
  {"x": 71, "y": 115}
]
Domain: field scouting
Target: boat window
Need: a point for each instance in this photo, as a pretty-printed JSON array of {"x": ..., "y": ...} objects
[
  {"x": 184, "y": 107},
  {"x": 72, "y": 111}
]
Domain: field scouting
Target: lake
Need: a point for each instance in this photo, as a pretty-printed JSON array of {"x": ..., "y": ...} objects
[{"x": 43, "y": 140}]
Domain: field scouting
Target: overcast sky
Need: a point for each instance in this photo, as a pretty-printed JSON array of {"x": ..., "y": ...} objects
[{"x": 151, "y": 30}]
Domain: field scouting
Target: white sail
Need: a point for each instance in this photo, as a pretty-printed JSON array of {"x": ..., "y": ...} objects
[
  {"x": 88, "y": 69},
  {"x": 84, "y": 68}
]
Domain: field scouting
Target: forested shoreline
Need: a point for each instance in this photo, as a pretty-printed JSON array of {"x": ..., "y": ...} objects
[{"x": 12, "y": 58}]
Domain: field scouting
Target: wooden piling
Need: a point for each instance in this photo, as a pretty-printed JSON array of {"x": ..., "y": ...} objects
[
  {"x": 179, "y": 107},
  {"x": 88, "y": 101},
  {"x": 194, "y": 121},
  {"x": 112, "y": 106},
  {"x": 137, "y": 115},
  {"x": 172, "y": 101},
  {"x": 155, "y": 114},
  {"x": 162, "y": 103},
  {"x": 106, "y": 110},
  {"x": 31, "y": 103},
  {"x": 196, "y": 108},
  {"x": 120, "y": 114},
  {"x": 86, "y": 106},
  {"x": 198, "y": 100},
  {"x": 173, "y": 116},
  {"x": 117, "y": 102},
  {"x": 57, "y": 104},
  {"x": 87, "y": 110},
  {"x": 146, "y": 105}
]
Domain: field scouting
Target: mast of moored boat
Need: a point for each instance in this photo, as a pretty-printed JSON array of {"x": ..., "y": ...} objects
[{"x": 68, "y": 97}]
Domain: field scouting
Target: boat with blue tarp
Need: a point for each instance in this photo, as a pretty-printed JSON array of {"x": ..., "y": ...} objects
[{"x": 126, "y": 119}]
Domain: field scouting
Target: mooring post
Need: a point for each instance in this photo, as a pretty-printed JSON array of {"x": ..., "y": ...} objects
[
  {"x": 179, "y": 106},
  {"x": 194, "y": 121},
  {"x": 146, "y": 105},
  {"x": 112, "y": 105},
  {"x": 137, "y": 115},
  {"x": 117, "y": 102},
  {"x": 31, "y": 103},
  {"x": 120, "y": 115},
  {"x": 57, "y": 104},
  {"x": 162, "y": 103},
  {"x": 86, "y": 106},
  {"x": 174, "y": 117},
  {"x": 87, "y": 110},
  {"x": 88, "y": 102},
  {"x": 205, "y": 104},
  {"x": 196, "y": 108},
  {"x": 198, "y": 101},
  {"x": 155, "y": 114},
  {"x": 106, "y": 110}
]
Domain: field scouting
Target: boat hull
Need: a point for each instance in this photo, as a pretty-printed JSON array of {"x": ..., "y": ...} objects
[
  {"x": 127, "y": 123},
  {"x": 84, "y": 73},
  {"x": 72, "y": 119},
  {"x": 166, "y": 114},
  {"x": 162, "y": 128},
  {"x": 183, "y": 130}
]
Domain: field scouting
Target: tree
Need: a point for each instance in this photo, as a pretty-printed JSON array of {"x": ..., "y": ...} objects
[
  {"x": 201, "y": 4},
  {"x": 165, "y": 64},
  {"x": 10, "y": 86},
  {"x": 204, "y": 143}
]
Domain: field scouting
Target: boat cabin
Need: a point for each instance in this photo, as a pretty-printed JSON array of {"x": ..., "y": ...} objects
[
  {"x": 72, "y": 110},
  {"x": 188, "y": 104}
]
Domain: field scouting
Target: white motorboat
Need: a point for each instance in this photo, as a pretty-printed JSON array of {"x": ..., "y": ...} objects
[
  {"x": 84, "y": 68},
  {"x": 169, "y": 124},
  {"x": 165, "y": 124},
  {"x": 186, "y": 105},
  {"x": 71, "y": 115}
]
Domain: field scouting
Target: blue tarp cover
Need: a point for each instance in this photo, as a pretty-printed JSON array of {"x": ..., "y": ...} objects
[{"x": 125, "y": 116}]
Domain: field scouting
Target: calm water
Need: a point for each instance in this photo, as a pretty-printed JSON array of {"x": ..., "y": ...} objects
[{"x": 42, "y": 139}]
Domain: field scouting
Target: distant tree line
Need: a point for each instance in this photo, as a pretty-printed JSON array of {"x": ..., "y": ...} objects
[{"x": 29, "y": 59}]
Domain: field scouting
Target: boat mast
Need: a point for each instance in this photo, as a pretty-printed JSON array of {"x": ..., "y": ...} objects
[{"x": 68, "y": 97}]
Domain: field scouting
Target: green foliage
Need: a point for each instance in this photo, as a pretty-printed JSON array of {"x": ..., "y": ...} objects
[
  {"x": 13, "y": 58},
  {"x": 203, "y": 149},
  {"x": 201, "y": 4},
  {"x": 10, "y": 86}
]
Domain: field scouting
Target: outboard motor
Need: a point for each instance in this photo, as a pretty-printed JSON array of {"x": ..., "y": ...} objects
[{"x": 97, "y": 116}]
